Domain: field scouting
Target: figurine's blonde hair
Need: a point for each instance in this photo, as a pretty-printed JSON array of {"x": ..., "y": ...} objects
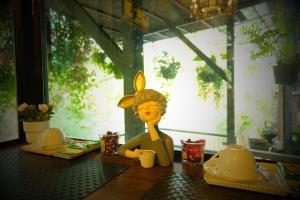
[{"x": 145, "y": 95}]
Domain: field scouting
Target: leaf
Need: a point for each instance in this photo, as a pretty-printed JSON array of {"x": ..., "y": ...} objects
[
  {"x": 223, "y": 56},
  {"x": 197, "y": 58}
]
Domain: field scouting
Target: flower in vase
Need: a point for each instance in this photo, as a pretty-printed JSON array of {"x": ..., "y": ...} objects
[{"x": 32, "y": 113}]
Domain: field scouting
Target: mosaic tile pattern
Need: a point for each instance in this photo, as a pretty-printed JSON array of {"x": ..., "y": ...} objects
[
  {"x": 31, "y": 176},
  {"x": 176, "y": 186}
]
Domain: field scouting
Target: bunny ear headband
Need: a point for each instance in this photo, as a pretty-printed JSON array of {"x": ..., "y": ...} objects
[{"x": 138, "y": 84}]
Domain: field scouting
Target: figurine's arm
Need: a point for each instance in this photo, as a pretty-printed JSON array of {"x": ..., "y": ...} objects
[
  {"x": 125, "y": 149},
  {"x": 164, "y": 151},
  {"x": 153, "y": 133}
]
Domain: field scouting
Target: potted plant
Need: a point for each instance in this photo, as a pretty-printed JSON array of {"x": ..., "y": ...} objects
[
  {"x": 276, "y": 41},
  {"x": 208, "y": 81},
  {"x": 35, "y": 119},
  {"x": 166, "y": 69},
  {"x": 246, "y": 134},
  {"x": 269, "y": 131}
]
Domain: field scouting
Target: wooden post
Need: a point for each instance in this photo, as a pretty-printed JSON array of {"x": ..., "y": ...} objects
[
  {"x": 29, "y": 63},
  {"x": 133, "y": 61},
  {"x": 291, "y": 9},
  {"x": 287, "y": 102},
  {"x": 230, "y": 87},
  {"x": 280, "y": 97},
  {"x": 31, "y": 77}
]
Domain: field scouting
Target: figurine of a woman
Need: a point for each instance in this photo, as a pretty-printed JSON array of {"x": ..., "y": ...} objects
[{"x": 149, "y": 105}]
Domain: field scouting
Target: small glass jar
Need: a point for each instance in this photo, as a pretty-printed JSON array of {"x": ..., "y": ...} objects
[
  {"x": 193, "y": 152},
  {"x": 109, "y": 143}
]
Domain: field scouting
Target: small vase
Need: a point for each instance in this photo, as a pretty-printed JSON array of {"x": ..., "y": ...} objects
[{"x": 34, "y": 130}]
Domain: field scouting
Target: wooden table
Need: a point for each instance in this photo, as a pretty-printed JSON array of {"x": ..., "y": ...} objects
[{"x": 136, "y": 181}]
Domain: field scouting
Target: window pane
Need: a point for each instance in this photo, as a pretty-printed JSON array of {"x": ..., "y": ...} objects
[
  {"x": 84, "y": 85},
  {"x": 173, "y": 37},
  {"x": 194, "y": 106},
  {"x": 264, "y": 106},
  {"x": 8, "y": 114}
]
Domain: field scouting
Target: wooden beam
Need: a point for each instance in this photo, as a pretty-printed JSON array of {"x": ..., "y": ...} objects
[
  {"x": 100, "y": 36},
  {"x": 193, "y": 47},
  {"x": 241, "y": 5},
  {"x": 261, "y": 18},
  {"x": 287, "y": 113},
  {"x": 103, "y": 13},
  {"x": 240, "y": 16},
  {"x": 108, "y": 29},
  {"x": 230, "y": 89},
  {"x": 107, "y": 19},
  {"x": 182, "y": 30},
  {"x": 58, "y": 7},
  {"x": 280, "y": 120},
  {"x": 246, "y": 3},
  {"x": 181, "y": 7},
  {"x": 133, "y": 61},
  {"x": 159, "y": 30},
  {"x": 252, "y": 19},
  {"x": 208, "y": 25}
]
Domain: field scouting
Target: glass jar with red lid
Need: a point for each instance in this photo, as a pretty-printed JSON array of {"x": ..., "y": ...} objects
[{"x": 193, "y": 152}]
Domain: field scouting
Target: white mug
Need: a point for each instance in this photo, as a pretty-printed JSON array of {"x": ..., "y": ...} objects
[{"x": 147, "y": 158}]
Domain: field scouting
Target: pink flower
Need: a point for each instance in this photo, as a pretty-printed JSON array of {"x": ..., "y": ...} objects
[
  {"x": 22, "y": 107},
  {"x": 43, "y": 107}
]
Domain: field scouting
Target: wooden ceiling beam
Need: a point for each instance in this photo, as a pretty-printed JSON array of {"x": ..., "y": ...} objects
[
  {"x": 59, "y": 8},
  {"x": 208, "y": 61},
  {"x": 205, "y": 23},
  {"x": 103, "y": 40},
  {"x": 253, "y": 19},
  {"x": 240, "y": 16},
  {"x": 181, "y": 7},
  {"x": 103, "y": 13}
]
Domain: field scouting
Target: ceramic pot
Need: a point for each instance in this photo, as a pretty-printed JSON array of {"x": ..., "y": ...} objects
[{"x": 34, "y": 130}]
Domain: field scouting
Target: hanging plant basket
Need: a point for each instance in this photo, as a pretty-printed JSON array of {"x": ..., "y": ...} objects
[{"x": 286, "y": 73}]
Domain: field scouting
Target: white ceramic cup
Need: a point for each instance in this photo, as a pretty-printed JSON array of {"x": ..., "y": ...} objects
[
  {"x": 235, "y": 163},
  {"x": 52, "y": 137},
  {"x": 147, "y": 158}
]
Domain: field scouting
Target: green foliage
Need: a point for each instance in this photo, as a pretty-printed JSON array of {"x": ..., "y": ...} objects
[
  {"x": 70, "y": 45},
  {"x": 68, "y": 76},
  {"x": 275, "y": 41},
  {"x": 167, "y": 67},
  {"x": 296, "y": 131},
  {"x": 244, "y": 126},
  {"x": 7, "y": 62},
  {"x": 208, "y": 81},
  {"x": 103, "y": 62},
  {"x": 246, "y": 122}
]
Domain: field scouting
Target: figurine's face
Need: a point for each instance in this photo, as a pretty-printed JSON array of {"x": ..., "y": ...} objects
[{"x": 149, "y": 110}]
